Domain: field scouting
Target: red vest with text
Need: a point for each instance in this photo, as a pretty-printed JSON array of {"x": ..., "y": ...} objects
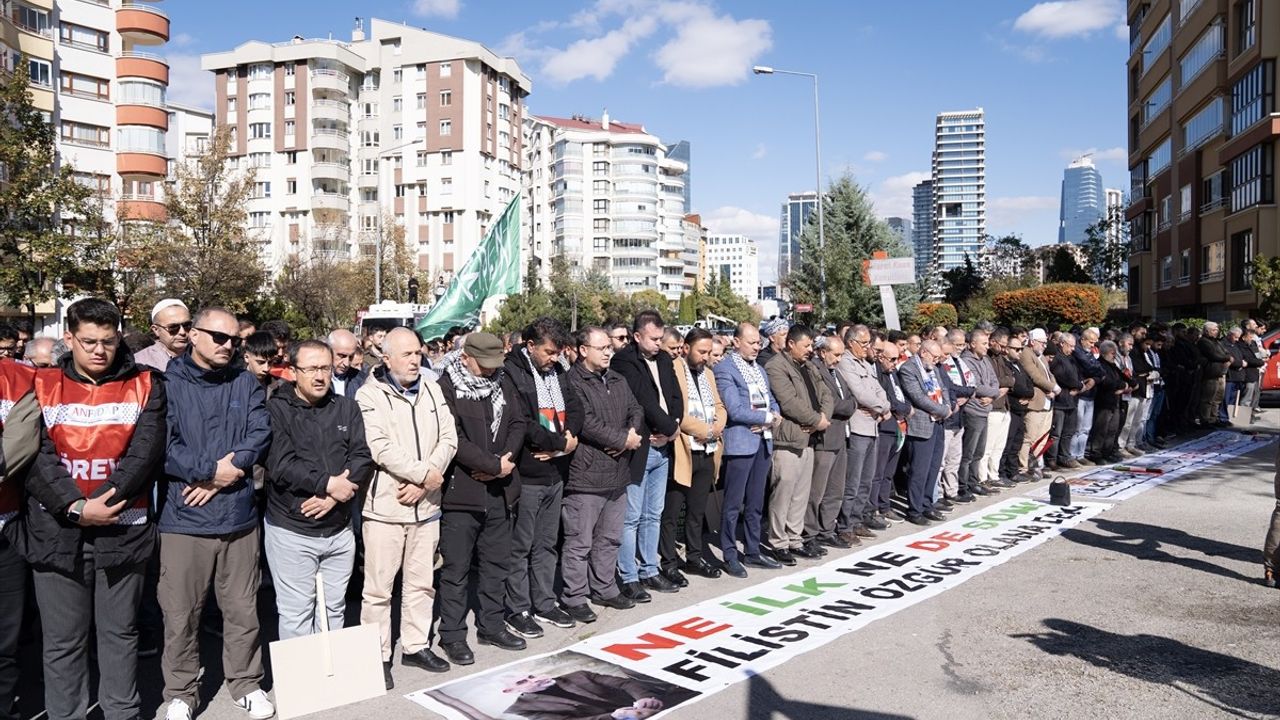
[
  {"x": 91, "y": 426},
  {"x": 16, "y": 380}
]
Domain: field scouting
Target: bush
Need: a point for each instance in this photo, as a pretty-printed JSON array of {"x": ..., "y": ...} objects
[
  {"x": 930, "y": 315},
  {"x": 1051, "y": 306}
]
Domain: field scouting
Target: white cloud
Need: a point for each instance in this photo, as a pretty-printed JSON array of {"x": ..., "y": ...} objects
[
  {"x": 437, "y": 8},
  {"x": 1109, "y": 155},
  {"x": 761, "y": 228},
  {"x": 1013, "y": 213},
  {"x": 1070, "y": 18},
  {"x": 188, "y": 84},
  {"x": 181, "y": 40},
  {"x": 759, "y": 152},
  {"x": 876, "y": 156},
  {"x": 892, "y": 196},
  {"x": 708, "y": 49},
  {"x": 596, "y": 57},
  {"x": 1122, "y": 31}
]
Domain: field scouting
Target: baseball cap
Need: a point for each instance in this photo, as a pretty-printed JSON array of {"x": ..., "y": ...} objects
[
  {"x": 1037, "y": 335},
  {"x": 486, "y": 348},
  {"x": 165, "y": 304}
]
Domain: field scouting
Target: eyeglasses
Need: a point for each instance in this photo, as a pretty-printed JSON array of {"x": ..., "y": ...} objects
[
  {"x": 173, "y": 328},
  {"x": 221, "y": 338},
  {"x": 104, "y": 343},
  {"x": 316, "y": 370},
  {"x": 600, "y": 348},
  {"x": 1015, "y": 347}
]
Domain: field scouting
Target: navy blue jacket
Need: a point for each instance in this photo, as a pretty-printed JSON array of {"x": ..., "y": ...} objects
[
  {"x": 353, "y": 380},
  {"x": 212, "y": 413},
  {"x": 1089, "y": 369}
]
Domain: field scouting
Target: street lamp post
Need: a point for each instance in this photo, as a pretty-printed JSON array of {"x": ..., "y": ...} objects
[{"x": 817, "y": 137}]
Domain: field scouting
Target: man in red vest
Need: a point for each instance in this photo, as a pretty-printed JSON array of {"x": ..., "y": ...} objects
[
  {"x": 20, "y": 430},
  {"x": 88, "y": 528}
]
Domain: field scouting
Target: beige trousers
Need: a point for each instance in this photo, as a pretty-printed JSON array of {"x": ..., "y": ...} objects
[{"x": 390, "y": 548}]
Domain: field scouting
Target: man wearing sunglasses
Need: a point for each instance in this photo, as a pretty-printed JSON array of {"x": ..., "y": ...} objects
[
  {"x": 171, "y": 326},
  {"x": 218, "y": 430}
]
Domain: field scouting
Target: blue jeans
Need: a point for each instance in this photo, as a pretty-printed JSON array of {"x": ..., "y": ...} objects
[
  {"x": 1228, "y": 399},
  {"x": 644, "y": 516},
  {"x": 1157, "y": 404}
]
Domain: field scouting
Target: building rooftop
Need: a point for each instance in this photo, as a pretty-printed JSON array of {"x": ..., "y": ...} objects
[{"x": 581, "y": 122}]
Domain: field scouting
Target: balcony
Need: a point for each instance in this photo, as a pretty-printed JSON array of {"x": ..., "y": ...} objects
[
  {"x": 326, "y": 79},
  {"x": 331, "y": 171},
  {"x": 141, "y": 24},
  {"x": 1212, "y": 206},
  {"x": 367, "y": 180},
  {"x": 144, "y": 164},
  {"x": 141, "y": 208},
  {"x": 1211, "y": 277},
  {"x": 330, "y": 110},
  {"x": 330, "y": 138},
  {"x": 330, "y": 201},
  {"x": 142, "y": 115},
  {"x": 142, "y": 65}
]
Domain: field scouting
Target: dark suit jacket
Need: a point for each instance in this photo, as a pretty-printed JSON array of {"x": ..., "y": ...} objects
[
  {"x": 630, "y": 365},
  {"x": 580, "y": 695},
  {"x": 843, "y": 408}
]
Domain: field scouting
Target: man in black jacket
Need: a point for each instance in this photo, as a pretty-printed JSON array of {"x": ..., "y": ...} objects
[
  {"x": 1020, "y": 394},
  {"x": 317, "y": 463},
  {"x": 651, "y": 376},
  {"x": 555, "y": 422},
  {"x": 480, "y": 493},
  {"x": 1213, "y": 376},
  {"x": 1066, "y": 372},
  {"x": 88, "y": 529}
]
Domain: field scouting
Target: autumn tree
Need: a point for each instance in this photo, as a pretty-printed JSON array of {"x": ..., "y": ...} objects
[
  {"x": 1107, "y": 246},
  {"x": 321, "y": 289}
]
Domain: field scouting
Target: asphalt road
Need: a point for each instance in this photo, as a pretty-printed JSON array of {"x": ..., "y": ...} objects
[{"x": 1152, "y": 609}]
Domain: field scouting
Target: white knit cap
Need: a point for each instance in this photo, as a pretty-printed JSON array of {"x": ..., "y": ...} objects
[{"x": 165, "y": 304}]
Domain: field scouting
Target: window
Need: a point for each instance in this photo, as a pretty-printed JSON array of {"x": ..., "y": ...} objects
[
  {"x": 291, "y": 186},
  {"x": 600, "y": 186},
  {"x": 600, "y": 224},
  {"x": 1252, "y": 176},
  {"x": 369, "y": 166},
  {"x": 259, "y": 101},
  {"x": 397, "y": 132},
  {"x": 446, "y": 186},
  {"x": 1242, "y": 253},
  {"x": 397, "y": 104},
  {"x": 1246, "y": 25},
  {"x": 31, "y": 19},
  {"x": 100, "y": 184},
  {"x": 446, "y": 69},
  {"x": 1159, "y": 159},
  {"x": 504, "y": 111},
  {"x": 446, "y": 217},
  {"x": 135, "y": 92},
  {"x": 1212, "y": 261},
  {"x": 421, "y": 130},
  {"x": 446, "y": 98},
  {"x": 1207, "y": 48},
  {"x": 1166, "y": 271},
  {"x": 369, "y": 196},
  {"x": 290, "y": 97},
  {"x": 259, "y": 219},
  {"x": 400, "y": 191},
  {"x": 291, "y": 158},
  {"x": 396, "y": 75},
  {"x": 420, "y": 70},
  {"x": 1253, "y": 97},
  {"x": 260, "y": 71},
  {"x": 289, "y": 70},
  {"x": 259, "y": 159},
  {"x": 290, "y": 128},
  {"x": 233, "y": 134},
  {"x": 231, "y": 105},
  {"x": 487, "y": 191},
  {"x": 85, "y": 86},
  {"x": 82, "y": 134},
  {"x": 262, "y": 189},
  {"x": 446, "y": 127},
  {"x": 1212, "y": 192},
  {"x": 422, "y": 158},
  {"x": 421, "y": 99},
  {"x": 1157, "y": 43},
  {"x": 259, "y": 131},
  {"x": 600, "y": 206},
  {"x": 1157, "y": 101},
  {"x": 40, "y": 71},
  {"x": 1203, "y": 126},
  {"x": 369, "y": 138},
  {"x": 83, "y": 37},
  {"x": 136, "y": 138},
  {"x": 1185, "y": 266},
  {"x": 1184, "y": 203}
]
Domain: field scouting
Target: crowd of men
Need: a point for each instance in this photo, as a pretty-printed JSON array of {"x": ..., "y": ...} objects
[{"x": 550, "y": 472}]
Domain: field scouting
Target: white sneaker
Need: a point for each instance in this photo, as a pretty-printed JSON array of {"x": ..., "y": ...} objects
[
  {"x": 257, "y": 705},
  {"x": 177, "y": 710}
]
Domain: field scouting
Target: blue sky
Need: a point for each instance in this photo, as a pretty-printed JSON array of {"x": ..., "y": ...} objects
[{"x": 1050, "y": 75}]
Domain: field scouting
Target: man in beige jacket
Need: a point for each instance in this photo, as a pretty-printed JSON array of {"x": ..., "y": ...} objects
[
  {"x": 1040, "y": 411},
  {"x": 412, "y": 436}
]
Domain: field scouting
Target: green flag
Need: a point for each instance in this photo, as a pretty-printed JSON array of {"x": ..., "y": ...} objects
[{"x": 494, "y": 269}]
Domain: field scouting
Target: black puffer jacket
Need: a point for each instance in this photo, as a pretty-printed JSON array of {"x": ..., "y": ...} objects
[
  {"x": 537, "y": 437},
  {"x": 480, "y": 450},
  {"x": 609, "y": 410},
  {"x": 310, "y": 444}
]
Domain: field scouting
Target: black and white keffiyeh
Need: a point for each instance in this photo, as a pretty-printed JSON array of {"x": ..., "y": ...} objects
[
  {"x": 475, "y": 387},
  {"x": 550, "y": 397}
]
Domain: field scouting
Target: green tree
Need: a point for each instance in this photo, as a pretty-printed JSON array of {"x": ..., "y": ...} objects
[
  {"x": 320, "y": 290},
  {"x": 1011, "y": 257},
  {"x": 853, "y": 233},
  {"x": 209, "y": 256},
  {"x": 1107, "y": 246},
  {"x": 960, "y": 284},
  {"x": 1266, "y": 283},
  {"x": 1063, "y": 268},
  {"x": 687, "y": 311},
  {"x": 41, "y": 204}
]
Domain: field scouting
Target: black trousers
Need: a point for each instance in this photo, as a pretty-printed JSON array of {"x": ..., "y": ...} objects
[
  {"x": 13, "y": 593},
  {"x": 1063, "y": 429},
  {"x": 464, "y": 535},
  {"x": 693, "y": 500},
  {"x": 1017, "y": 429},
  {"x": 973, "y": 446},
  {"x": 1104, "y": 436},
  {"x": 887, "y": 454}
]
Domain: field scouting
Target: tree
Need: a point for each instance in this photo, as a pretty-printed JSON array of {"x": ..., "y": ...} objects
[
  {"x": 961, "y": 283},
  {"x": 399, "y": 263},
  {"x": 41, "y": 204},
  {"x": 853, "y": 234},
  {"x": 321, "y": 290},
  {"x": 1266, "y": 283},
  {"x": 1009, "y": 257},
  {"x": 209, "y": 256},
  {"x": 1064, "y": 268},
  {"x": 123, "y": 264},
  {"x": 1107, "y": 246}
]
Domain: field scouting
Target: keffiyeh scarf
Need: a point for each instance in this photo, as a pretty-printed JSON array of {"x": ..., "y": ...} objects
[
  {"x": 475, "y": 387},
  {"x": 550, "y": 398},
  {"x": 699, "y": 409}
]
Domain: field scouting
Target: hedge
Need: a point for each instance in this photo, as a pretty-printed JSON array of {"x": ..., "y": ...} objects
[
  {"x": 929, "y": 315},
  {"x": 1051, "y": 305}
]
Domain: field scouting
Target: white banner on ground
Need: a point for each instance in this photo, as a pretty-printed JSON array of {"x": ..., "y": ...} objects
[
  {"x": 1154, "y": 469},
  {"x": 679, "y": 657}
]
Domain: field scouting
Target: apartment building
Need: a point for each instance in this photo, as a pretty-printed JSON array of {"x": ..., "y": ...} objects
[
  {"x": 1203, "y": 131},
  {"x": 95, "y": 68},
  {"x": 792, "y": 218},
  {"x": 734, "y": 259},
  {"x": 959, "y": 189},
  {"x": 606, "y": 196},
  {"x": 400, "y": 125}
]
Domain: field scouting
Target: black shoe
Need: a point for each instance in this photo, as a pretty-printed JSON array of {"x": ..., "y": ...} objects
[
  {"x": 944, "y": 504},
  {"x": 894, "y": 516},
  {"x": 965, "y": 498},
  {"x": 503, "y": 639},
  {"x": 764, "y": 561},
  {"x": 1005, "y": 483},
  {"x": 875, "y": 523},
  {"x": 431, "y": 662},
  {"x": 635, "y": 592},
  {"x": 617, "y": 602},
  {"x": 935, "y": 516},
  {"x": 783, "y": 556},
  {"x": 943, "y": 509},
  {"x": 834, "y": 542},
  {"x": 917, "y": 519},
  {"x": 702, "y": 568},
  {"x": 1051, "y": 466},
  {"x": 809, "y": 551},
  {"x": 1023, "y": 478},
  {"x": 386, "y": 675},
  {"x": 980, "y": 490},
  {"x": 579, "y": 613},
  {"x": 556, "y": 616},
  {"x": 658, "y": 583},
  {"x": 676, "y": 577},
  {"x": 735, "y": 569},
  {"x": 524, "y": 625}
]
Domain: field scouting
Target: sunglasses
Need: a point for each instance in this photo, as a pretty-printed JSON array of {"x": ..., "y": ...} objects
[
  {"x": 173, "y": 328},
  {"x": 220, "y": 338}
]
